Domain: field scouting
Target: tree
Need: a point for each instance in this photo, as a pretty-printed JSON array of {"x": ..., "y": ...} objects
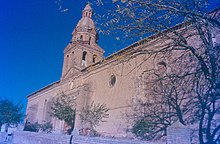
[
  {"x": 64, "y": 108},
  {"x": 194, "y": 40},
  {"x": 92, "y": 115},
  {"x": 10, "y": 113},
  {"x": 167, "y": 96}
]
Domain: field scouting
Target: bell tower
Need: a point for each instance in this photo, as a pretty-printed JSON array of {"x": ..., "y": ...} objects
[{"x": 83, "y": 49}]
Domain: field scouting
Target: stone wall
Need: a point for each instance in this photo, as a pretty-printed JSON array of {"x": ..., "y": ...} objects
[
  {"x": 2, "y": 136},
  {"x": 101, "y": 140},
  {"x": 22, "y": 137},
  {"x": 41, "y": 138},
  {"x": 176, "y": 134}
]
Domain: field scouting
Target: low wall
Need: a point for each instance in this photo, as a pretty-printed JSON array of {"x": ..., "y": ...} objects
[
  {"x": 101, "y": 140},
  {"x": 176, "y": 134},
  {"x": 23, "y": 137},
  {"x": 2, "y": 136},
  {"x": 41, "y": 138}
]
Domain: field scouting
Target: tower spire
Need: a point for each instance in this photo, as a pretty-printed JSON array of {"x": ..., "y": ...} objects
[
  {"x": 85, "y": 31},
  {"x": 87, "y": 12},
  {"x": 83, "y": 49}
]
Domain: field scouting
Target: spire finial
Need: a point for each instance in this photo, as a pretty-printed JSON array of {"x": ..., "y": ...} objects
[{"x": 88, "y": 6}]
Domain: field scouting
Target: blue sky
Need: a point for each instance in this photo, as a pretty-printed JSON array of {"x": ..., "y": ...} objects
[{"x": 33, "y": 34}]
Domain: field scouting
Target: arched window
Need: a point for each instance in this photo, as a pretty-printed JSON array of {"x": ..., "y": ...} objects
[
  {"x": 81, "y": 37},
  {"x": 84, "y": 55},
  {"x": 89, "y": 40},
  {"x": 112, "y": 80},
  {"x": 94, "y": 58}
]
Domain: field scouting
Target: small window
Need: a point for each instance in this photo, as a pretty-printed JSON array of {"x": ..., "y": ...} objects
[
  {"x": 72, "y": 52},
  {"x": 84, "y": 55},
  {"x": 81, "y": 37},
  {"x": 89, "y": 40},
  {"x": 94, "y": 58},
  {"x": 67, "y": 56},
  {"x": 161, "y": 68},
  {"x": 112, "y": 80}
]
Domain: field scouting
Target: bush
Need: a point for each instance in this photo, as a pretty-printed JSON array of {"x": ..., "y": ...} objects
[
  {"x": 36, "y": 127},
  {"x": 33, "y": 127},
  {"x": 141, "y": 129},
  {"x": 46, "y": 127}
]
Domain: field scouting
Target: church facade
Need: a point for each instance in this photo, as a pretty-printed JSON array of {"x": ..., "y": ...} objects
[{"x": 87, "y": 75}]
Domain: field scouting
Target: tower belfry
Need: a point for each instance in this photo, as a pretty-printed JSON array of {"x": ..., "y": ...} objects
[{"x": 83, "y": 49}]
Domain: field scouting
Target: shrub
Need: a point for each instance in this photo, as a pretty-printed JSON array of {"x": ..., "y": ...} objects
[
  {"x": 36, "y": 127},
  {"x": 46, "y": 127},
  {"x": 141, "y": 129},
  {"x": 33, "y": 127}
]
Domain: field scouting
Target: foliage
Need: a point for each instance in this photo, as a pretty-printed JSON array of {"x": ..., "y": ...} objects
[
  {"x": 46, "y": 127},
  {"x": 33, "y": 127},
  {"x": 64, "y": 108},
  {"x": 93, "y": 114},
  {"x": 10, "y": 113},
  {"x": 142, "y": 128},
  {"x": 36, "y": 127}
]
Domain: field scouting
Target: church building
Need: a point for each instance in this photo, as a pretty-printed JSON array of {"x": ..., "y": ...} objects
[{"x": 88, "y": 76}]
